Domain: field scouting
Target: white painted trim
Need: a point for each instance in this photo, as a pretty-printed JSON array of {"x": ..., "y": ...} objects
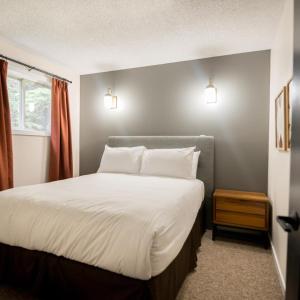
[
  {"x": 30, "y": 132},
  {"x": 280, "y": 275}
]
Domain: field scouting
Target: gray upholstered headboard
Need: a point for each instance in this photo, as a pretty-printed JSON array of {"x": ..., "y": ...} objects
[{"x": 204, "y": 143}]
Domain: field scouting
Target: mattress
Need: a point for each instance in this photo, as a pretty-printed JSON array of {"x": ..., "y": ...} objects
[{"x": 127, "y": 224}]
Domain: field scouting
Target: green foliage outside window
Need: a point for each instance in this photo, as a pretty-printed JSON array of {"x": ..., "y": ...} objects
[
  {"x": 30, "y": 104},
  {"x": 37, "y": 106},
  {"x": 14, "y": 94}
]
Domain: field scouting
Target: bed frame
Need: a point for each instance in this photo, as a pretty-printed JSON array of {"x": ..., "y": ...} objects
[{"x": 53, "y": 277}]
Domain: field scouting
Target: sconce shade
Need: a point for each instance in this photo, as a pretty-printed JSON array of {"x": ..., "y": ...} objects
[
  {"x": 211, "y": 94},
  {"x": 110, "y": 101}
]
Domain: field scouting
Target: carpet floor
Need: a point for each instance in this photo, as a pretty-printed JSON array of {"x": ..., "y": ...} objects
[
  {"x": 229, "y": 269},
  {"x": 226, "y": 270}
]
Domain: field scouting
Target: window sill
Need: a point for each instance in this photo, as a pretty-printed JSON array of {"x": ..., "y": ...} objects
[{"x": 31, "y": 133}]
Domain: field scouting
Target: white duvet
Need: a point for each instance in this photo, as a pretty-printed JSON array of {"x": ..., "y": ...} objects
[{"x": 132, "y": 225}]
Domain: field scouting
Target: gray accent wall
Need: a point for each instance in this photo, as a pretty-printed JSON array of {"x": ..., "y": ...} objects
[{"x": 169, "y": 100}]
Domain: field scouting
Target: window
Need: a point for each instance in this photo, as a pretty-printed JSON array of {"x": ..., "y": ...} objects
[{"x": 30, "y": 106}]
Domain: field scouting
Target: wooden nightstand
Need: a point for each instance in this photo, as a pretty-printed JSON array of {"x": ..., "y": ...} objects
[{"x": 239, "y": 209}]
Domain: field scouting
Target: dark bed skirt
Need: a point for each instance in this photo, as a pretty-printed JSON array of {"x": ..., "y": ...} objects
[{"x": 51, "y": 277}]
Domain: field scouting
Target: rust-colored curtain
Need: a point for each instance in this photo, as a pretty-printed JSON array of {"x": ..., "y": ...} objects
[
  {"x": 61, "y": 162},
  {"x": 6, "y": 155}
]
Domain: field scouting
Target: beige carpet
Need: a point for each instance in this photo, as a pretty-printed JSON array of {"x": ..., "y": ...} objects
[
  {"x": 232, "y": 270},
  {"x": 226, "y": 270}
]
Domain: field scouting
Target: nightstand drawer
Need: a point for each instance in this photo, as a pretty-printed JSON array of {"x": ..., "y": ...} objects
[
  {"x": 236, "y": 205},
  {"x": 240, "y": 219}
]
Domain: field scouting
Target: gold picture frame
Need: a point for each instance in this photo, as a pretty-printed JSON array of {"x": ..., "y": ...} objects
[{"x": 281, "y": 120}]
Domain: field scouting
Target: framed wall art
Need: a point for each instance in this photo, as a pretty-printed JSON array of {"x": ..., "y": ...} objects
[
  {"x": 289, "y": 112},
  {"x": 281, "y": 120}
]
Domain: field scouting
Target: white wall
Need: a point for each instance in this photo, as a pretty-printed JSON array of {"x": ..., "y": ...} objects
[
  {"x": 279, "y": 162},
  {"x": 31, "y": 152}
]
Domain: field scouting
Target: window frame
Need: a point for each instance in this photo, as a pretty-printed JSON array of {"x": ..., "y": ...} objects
[{"x": 22, "y": 130}]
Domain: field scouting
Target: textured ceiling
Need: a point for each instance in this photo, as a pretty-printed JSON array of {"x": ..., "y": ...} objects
[{"x": 101, "y": 35}]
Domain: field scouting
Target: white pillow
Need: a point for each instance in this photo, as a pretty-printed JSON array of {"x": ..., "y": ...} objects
[
  {"x": 195, "y": 164},
  {"x": 121, "y": 160},
  {"x": 168, "y": 162}
]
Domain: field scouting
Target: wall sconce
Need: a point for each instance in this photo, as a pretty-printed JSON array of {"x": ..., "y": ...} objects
[
  {"x": 211, "y": 93},
  {"x": 110, "y": 101}
]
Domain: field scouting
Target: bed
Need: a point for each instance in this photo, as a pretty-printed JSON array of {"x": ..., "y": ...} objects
[{"x": 51, "y": 235}]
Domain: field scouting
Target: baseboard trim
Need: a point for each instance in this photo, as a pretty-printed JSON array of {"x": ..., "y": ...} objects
[{"x": 280, "y": 275}]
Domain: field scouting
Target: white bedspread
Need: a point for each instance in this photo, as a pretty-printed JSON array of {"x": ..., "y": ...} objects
[{"x": 132, "y": 225}]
